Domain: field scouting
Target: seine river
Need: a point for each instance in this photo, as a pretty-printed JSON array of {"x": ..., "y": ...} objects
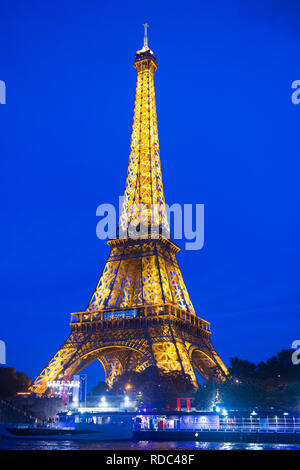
[{"x": 7, "y": 444}]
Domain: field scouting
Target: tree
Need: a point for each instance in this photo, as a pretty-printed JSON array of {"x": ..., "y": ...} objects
[
  {"x": 129, "y": 378},
  {"x": 287, "y": 397},
  {"x": 99, "y": 389},
  {"x": 246, "y": 393},
  {"x": 153, "y": 387},
  {"x": 276, "y": 371},
  {"x": 12, "y": 382},
  {"x": 242, "y": 369},
  {"x": 280, "y": 369},
  {"x": 205, "y": 396},
  {"x": 275, "y": 380}
]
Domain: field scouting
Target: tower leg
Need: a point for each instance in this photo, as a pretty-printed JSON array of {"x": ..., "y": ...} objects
[
  {"x": 112, "y": 367},
  {"x": 55, "y": 367},
  {"x": 170, "y": 352}
]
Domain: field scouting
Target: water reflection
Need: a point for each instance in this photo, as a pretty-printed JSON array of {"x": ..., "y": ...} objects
[{"x": 139, "y": 445}]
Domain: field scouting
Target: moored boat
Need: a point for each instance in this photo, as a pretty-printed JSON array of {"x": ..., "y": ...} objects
[{"x": 76, "y": 425}]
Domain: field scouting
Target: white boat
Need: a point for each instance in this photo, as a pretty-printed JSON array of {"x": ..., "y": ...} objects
[{"x": 77, "y": 426}]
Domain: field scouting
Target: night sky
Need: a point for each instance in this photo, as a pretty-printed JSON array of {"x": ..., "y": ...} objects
[{"x": 229, "y": 138}]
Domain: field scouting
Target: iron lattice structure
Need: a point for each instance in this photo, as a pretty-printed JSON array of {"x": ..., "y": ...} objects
[{"x": 140, "y": 313}]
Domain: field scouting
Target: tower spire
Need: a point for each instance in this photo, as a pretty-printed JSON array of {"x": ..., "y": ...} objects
[
  {"x": 145, "y": 36},
  {"x": 144, "y": 201}
]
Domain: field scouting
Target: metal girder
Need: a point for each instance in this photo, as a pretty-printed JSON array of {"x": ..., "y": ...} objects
[
  {"x": 180, "y": 347},
  {"x": 141, "y": 274},
  {"x": 144, "y": 180}
]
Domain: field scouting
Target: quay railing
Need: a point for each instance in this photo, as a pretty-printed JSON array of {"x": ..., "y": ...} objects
[
  {"x": 257, "y": 424},
  {"x": 109, "y": 314}
]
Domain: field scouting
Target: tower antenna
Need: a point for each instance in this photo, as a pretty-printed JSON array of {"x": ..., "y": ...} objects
[{"x": 145, "y": 36}]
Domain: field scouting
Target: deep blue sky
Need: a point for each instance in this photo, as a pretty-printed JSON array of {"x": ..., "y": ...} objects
[{"x": 229, "y": 138}]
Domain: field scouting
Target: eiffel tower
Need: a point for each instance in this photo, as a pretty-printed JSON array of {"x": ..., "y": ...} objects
[{"x": 140, "y": 313}]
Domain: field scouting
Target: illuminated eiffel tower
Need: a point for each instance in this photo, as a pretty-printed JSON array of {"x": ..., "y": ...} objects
[{"x": 140, "y": 313}]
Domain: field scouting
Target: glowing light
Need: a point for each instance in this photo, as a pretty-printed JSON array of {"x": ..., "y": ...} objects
[
  {"x": 146, "y": 272},
  {"x": 127, "y": 401},
  {"x": 188, "y": 404}
]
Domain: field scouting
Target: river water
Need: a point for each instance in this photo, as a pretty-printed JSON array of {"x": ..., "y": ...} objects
[{"x": 9, "y": 444}]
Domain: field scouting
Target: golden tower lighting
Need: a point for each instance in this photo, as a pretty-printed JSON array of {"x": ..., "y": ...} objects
[{"x": 140, "y": 313}]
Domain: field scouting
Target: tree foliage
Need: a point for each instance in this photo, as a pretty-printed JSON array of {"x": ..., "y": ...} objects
[
  {"x": 12, "y": 382},
  {"x": 242, "y": 369},
  {"x": 206, "y": 396},
  {"x": 153, "y": 387},
  {"x": 100, "y": 388},
  {"x": 275, "y": 372},
  {"x": 276, "y": 381}
]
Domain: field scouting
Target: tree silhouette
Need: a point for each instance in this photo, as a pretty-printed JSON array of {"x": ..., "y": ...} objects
[
  {"x": 100, "y": 388},
  {"x": 153, "y": 387},
  {"x": 12, "y": 382}
]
